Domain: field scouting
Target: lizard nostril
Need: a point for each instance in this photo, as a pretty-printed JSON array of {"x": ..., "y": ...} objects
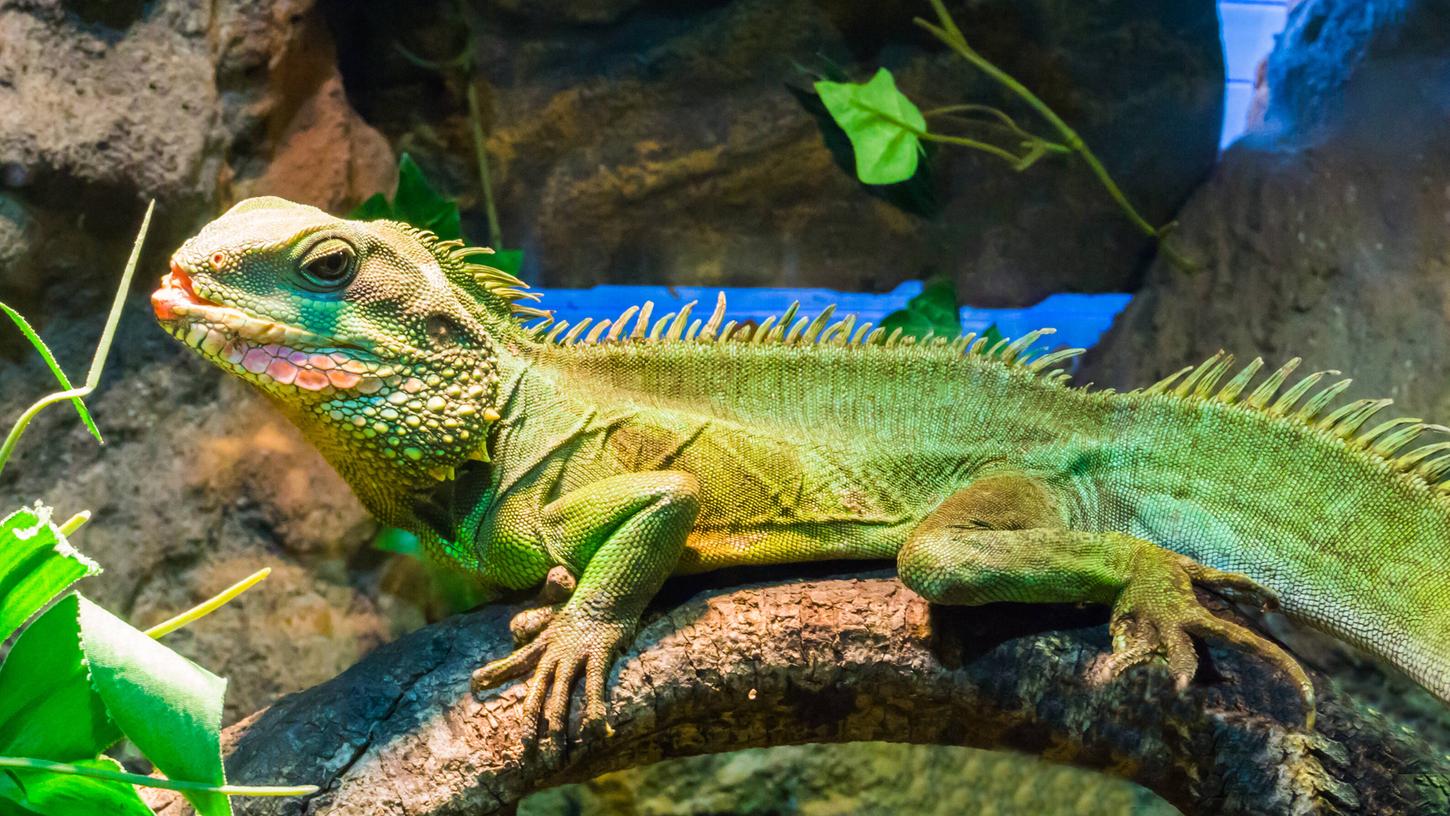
[{"x": 217, "y": 260}]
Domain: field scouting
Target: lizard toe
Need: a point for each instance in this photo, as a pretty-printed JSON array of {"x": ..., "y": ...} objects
[{"x": 516, "y": 664}]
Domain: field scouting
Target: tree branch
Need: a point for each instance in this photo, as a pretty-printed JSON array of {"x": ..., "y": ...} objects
[{"x": 826, "y": 660}]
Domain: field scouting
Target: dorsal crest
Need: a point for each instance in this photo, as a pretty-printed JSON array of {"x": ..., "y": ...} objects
[{"x": 1392, "y": 441}]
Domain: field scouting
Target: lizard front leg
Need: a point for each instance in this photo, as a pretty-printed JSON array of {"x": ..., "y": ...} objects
[
  {"x": 1003, "y": 539},
  {"x": 622, "y": 537}
]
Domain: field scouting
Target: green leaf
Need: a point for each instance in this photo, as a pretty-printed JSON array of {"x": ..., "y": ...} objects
[
  {"x": 934, "y": 312},
  {"x": 507, "y": 260},
  {"x": 52, "y": 794},
  {"x": 417, "y": 203},
  {"x": 168, "y": 706},
  {"x": 48, "y": 709},
  {"x": 882, "y": 124},
  {"x": 374, "y": 208},
  {"x": 44, "y": 351},
  {"x": 36, "y": 565},
  {"x": 414, "y": 202},
  {"x": 993, "y": 337},
  {"x": 397, "y": 540}
]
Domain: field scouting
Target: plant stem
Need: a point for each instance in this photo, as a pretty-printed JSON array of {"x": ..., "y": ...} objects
[
  {"x": 153, "y": 782},
  {"x": 480, "y": 150},
  {"x": 928, "y": 136},
  {"x": 207, "y": 607},
  {"x": 103, "y": 348},
  {"x": 952, "y": 36}
]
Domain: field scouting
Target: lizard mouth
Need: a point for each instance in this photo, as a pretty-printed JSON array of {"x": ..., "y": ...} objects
[{"x": 264, "y": 350}]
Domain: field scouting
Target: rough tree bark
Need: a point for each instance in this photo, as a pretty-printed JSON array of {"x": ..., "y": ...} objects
[{"x": 828, "y": 660}]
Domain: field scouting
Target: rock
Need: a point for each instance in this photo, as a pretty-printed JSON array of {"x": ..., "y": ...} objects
[
  {"x": 663, "y": 145},
  {"x": 318, "y": 150},
  {"x": 1325, "y": 237},
  {"x": 105, "y": 105}
]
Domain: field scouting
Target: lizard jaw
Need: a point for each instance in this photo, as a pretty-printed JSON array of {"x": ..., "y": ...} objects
[{"x": 264, "y": 351}]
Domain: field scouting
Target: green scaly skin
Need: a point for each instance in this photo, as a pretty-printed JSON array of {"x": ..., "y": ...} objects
[{"x": 644, "y": 448}]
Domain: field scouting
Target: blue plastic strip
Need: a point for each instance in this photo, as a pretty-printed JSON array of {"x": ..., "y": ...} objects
[{"x": 1079, "y": 319}]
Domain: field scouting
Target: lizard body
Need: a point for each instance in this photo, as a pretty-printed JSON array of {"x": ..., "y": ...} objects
[{"x": 648, "y": 447}]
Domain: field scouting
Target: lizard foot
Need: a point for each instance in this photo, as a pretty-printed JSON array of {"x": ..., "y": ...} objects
[
  {"x": 1156, "y": 614},
  {"x": 572, "y": 645},
  {"x": 526, "y": 625}
]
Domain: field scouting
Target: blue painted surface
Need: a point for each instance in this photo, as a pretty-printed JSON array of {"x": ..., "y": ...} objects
[
  {"x": 1079, "y": 319},
  {"x": 1248, "y": 29}
]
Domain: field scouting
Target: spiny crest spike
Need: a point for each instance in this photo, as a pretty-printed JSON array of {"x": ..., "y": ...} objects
[
  {"x": 1410, "y": 460},
  {"x": 593, "y": 337},
  {"x": 1393, "y": 441},
  {"x": 659, "y": 327},
  {"x": 713, "y": 324},
  {"x": 814, "y": 329},
  {"x": 574, "y": 332},
  {"x": 1047, "y": 361},
  {"x": 642, "y": 325},
  {"x": 1369, "y": 436},
  {"x": 839, "y": 333},
  {"x": 619, "y": 323},
  {"x": 677, "y": 328},
  {"x": 796, "y": 330},
  {"x": 1285, "y": 403},
  {"x": 1236, "y": 386},
  {"x": 1191, "y": 381},
  {"x": 1261, "y": 395},
  {"x": 1209, "y": 381},
  {"x": 1349, "y": 418},
  {"x": 553, "y": 335},
  {"x": 1164, "y": 384},
  {"x": 763, "y": 329},
  {"x": 1317, "y": 402},
  {"x": 693, "y": 330},
  {"x": 789, "y": 316},
  {"x": 1021, "y": 344}
]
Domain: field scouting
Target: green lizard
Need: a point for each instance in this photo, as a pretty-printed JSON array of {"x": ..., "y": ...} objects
[{"x": 631, "y": 449}]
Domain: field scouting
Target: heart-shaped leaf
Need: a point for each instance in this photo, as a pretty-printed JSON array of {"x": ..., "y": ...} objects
[{"x": 882, "y": 124}]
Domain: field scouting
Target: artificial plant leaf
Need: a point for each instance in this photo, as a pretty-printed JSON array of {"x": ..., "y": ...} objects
[
  {"x": 376, "y": 206},
  {"x": 168, "y": 706},
  {"x": 417, "y": 203},
  {"x": 52, "y": 794},
  {"x": 36, "y": 565},
  {"x": 917, "y": 195},
  {"x": 506, "y": 260},
  {"x": 934, "y": 311},
  {"x": 48, "y": 709},
  {"x": 44, "y": 351},
  {"x": 881, "y": 123},
  {"x": 993, "y": 337}
]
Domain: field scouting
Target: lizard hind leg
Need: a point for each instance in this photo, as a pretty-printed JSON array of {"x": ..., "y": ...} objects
[{"x": 1004, "y": 539}]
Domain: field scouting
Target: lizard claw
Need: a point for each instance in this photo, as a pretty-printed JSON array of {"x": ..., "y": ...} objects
[
  {"x": 571, "y": 646},
  {"x": 1156, "y": 614}
]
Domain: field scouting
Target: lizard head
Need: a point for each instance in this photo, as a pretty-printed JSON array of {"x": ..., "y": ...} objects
[{"x": 373, "y": 336}]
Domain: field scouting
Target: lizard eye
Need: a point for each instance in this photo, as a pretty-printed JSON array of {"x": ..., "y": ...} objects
[{"x": 329, "y": 265}]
